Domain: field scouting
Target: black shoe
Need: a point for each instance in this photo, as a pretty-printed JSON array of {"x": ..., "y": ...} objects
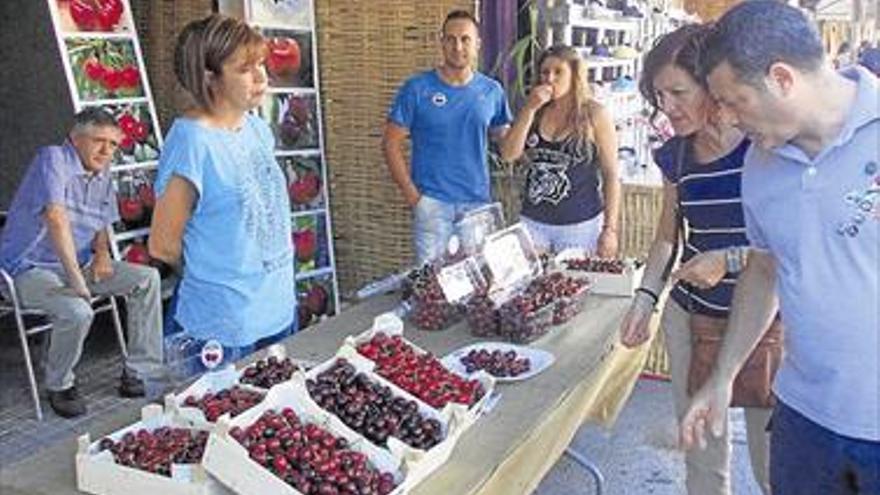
[
  {"x": 67, "y": 403},
  {"x": 130, "y": 386}
]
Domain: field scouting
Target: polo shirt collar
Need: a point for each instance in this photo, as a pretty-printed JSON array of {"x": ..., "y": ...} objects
[
  {"x": 77, "y": 164},
  {"x": 865, "y": 109}
]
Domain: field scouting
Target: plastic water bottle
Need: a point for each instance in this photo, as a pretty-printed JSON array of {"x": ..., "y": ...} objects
[
  {"x": 381, "y": 286},
  {"x": 181, "y": 353}
]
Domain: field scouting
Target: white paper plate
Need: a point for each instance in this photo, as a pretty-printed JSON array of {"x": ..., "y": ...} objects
[{"x": 540, "y": 360}]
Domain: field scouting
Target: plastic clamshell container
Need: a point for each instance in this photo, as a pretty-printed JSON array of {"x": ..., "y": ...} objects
[
  {"x": 229, "y": 462},
  {"x": 567, "y": 307},
  {"x": 511, "y": 258},
  {"x": 213, "y": 382},
  {"x": 522, "y": 328},
  {"x": 477, "y": 224},
  {"x": 98, "y": 473}
]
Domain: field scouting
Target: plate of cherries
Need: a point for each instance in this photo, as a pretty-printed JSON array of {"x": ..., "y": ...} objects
[{"x": 506, "y": 362}]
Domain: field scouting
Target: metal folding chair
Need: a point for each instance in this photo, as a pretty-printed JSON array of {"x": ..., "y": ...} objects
[{"x": 10, "y": 304}]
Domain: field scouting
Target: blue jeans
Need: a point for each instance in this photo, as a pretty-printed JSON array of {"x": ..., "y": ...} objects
[
  {"x": 582, "y": 235},
  {"x": 806, "y": 458},
  {"x": 433, "y": 224}
]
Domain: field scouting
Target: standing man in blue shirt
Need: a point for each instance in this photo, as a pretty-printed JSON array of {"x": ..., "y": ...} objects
[
  {"x": 811, "y": 197},
  {"x": 55, "y": 246},
  {"x": 449, "y": 113}
]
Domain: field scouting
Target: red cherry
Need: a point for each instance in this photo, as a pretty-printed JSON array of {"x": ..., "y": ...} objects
[
  {"x": 305, "y": 244},
  {"x": 127, "y": 123},
  {"x": 94, "y": 69},
  {"x": 127, "y": 143},
  {"x": 140, "y": 131},
  {"x": 112, "y": 79},
  {"x": 130, "y": 76},
  {"x": 83, "y": 14},
  {"x": 131, "y": 209},
  {"x": 137, "y": 253},
  {"x": 147, "y": 195},
  {"x": 284, "y": 56}
]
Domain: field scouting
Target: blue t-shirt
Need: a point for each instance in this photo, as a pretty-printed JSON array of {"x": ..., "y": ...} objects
[
  {"x": 448, "y": 127},
  {"x": 238, "y": 284},
  {"x": 710, "y": 201}
]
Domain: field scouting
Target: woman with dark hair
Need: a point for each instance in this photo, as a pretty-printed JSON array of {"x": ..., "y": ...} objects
[
  {"x": 568, "y": 140},
  {"x": 223, "y": 212},
  {"x": 701, "y": 167}
]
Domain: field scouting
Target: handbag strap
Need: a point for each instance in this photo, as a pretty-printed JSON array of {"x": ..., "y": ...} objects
[{"x": 678, "y": 235}]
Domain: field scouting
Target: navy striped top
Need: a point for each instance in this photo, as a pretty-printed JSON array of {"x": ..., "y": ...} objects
[{"x": 710, "y": 200}]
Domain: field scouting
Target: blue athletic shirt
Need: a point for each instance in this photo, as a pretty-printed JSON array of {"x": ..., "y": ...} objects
[
  {"x": 237, "y": 284},
  {"x": 448, "y": 126},
  {"x": 710, "y": 200}
]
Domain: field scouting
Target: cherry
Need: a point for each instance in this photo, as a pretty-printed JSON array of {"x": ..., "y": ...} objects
[
  {"x": 371, "y": 409},
  {"x": 420, "y": 374},
  {"x": 155, "y": 451},
  {"x": 496, "y": 363},
  {"x": 94, "y": 69},
  {"x": 305, "y": 244},
  {"x": 602, "y": 265},
  {"x": 547, "y": 300},
  {"x": 430, "y": 309},
  {"x": 112, "y": 79},
  {"x": 234, "y": 401},
  {"x": 130, "y": 76},
  {"x": 310, "y": 458},
  {"x": 268, "y": 372}
]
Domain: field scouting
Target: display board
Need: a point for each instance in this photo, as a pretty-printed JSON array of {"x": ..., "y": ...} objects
[{"x": 104, "y": 66}]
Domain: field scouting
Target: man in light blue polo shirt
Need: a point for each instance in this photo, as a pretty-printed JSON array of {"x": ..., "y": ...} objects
[
  {"x": 449, "y": 113},
  {"x": 811, "y": 196},
  {"x": 55, "y": 245}
]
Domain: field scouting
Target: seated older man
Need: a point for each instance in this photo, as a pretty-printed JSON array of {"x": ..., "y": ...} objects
[{"x": 55, "y": 245}]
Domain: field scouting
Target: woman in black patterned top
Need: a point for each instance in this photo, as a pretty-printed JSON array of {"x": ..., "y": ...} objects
[{"x": 572, "y": 193}]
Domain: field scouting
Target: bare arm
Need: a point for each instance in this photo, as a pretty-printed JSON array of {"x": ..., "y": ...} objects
[
  {"x": 754, "y": 306},
  {"x": 58, "y": 224},
  {"x": 102, "y": 263},
  {"x": 513, "y": 143},
  {"x": 606, "y": 142},
  {"x": 634, "y": 329},
  {"x": 101, "y": 243},
  {"x": 392, "y": 145},
  {"x": 172, "y": 212}
]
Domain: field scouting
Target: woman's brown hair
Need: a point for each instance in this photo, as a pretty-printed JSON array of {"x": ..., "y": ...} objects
[
  {"x": 579, "y": 118},
  {"x": 680, "y": 48},
  {"x": 204, "y": 45}
]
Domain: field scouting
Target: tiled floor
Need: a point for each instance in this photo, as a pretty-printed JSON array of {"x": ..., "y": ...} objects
[{"x": 97, "y": 377}]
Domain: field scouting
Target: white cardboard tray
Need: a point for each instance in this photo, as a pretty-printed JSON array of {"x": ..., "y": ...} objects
[
  {"x": 229, "y": 462},
  {"x": 97, "y": 473}
]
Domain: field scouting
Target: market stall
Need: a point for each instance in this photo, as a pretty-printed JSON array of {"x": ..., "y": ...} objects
[{"x": 508, "y": 450}]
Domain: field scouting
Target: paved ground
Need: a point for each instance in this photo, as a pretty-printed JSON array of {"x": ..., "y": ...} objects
[{"x": 637, "y": 457}]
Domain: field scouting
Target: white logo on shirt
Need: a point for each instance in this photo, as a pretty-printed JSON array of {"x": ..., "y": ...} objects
[{"x": 438, "y": 99}]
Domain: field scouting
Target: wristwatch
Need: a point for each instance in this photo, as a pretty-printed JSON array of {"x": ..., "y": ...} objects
[{"x": 735, "y": 258}]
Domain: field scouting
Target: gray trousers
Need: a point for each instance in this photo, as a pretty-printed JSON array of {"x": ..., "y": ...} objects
[
  {"x": 72, "y": 318},
  {"x": 708, "y": 471}
]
